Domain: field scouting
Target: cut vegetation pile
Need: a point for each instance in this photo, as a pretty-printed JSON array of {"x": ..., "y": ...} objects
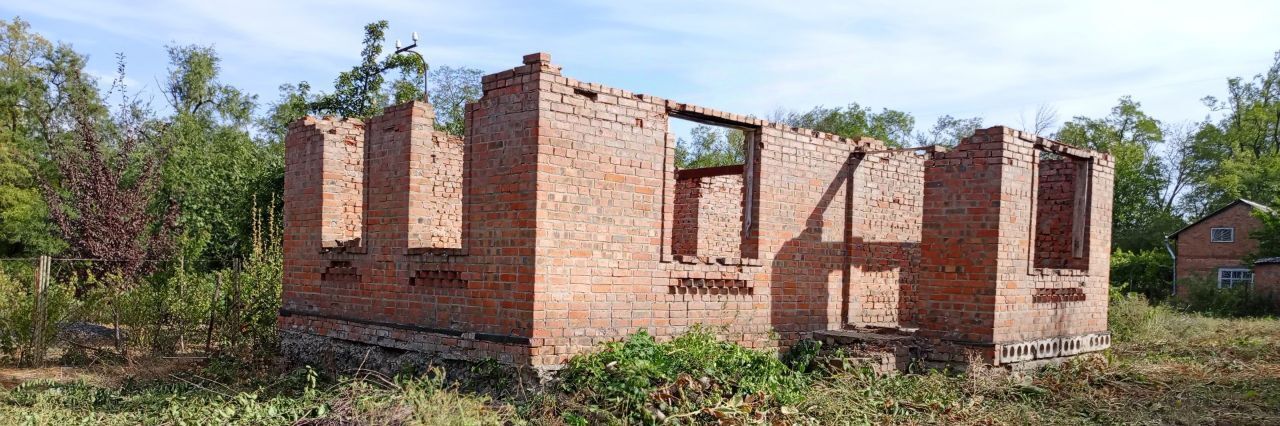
[{"x": 1166, "y": 367}]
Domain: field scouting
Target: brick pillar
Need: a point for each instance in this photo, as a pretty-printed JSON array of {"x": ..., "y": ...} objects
[
  {"x": 960, "y": 242},
  {"x": 1266, "y": 281},
  {"x": 323, "y": 185},
  {"x": 323, "y": 200},
  {"x": 401, "y": 176}
]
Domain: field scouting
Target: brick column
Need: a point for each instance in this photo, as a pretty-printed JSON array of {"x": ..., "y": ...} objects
[
  {"x": 411, "y": 204},
  {"x": 960, "y": 241},
  {"x": 323, "y": 199}
]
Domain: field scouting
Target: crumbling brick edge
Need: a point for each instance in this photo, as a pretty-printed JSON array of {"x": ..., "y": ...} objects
[
  {"x": 344, "y": 356},
  {"x": 496, "y": 338}
]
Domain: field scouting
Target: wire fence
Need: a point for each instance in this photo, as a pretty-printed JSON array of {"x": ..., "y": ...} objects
[{"x": 71, "y": 310}]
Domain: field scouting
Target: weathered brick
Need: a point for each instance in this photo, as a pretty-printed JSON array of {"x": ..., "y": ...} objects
[{"x": 560, "y": 221}]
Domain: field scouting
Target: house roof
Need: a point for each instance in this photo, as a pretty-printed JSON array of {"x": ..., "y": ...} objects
[
  {"x": 1252, "y": 204},
  {"x": 1267, "y": 260}
]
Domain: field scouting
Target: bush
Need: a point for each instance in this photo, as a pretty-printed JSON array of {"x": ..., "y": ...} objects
[
  {"x": 1130, "y": 315},
  {"x": 1204, "y": 296},
  {"x": 694, "y": 377},
  {"x": 172, "y": 311},
  {"x": 1146, "y": 272},
  {"x": 17, "y": 310}
]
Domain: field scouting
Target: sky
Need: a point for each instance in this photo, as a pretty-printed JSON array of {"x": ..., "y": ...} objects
[{"x": 998, "y": 60}]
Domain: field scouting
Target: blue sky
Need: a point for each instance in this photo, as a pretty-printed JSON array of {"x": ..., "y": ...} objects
[{"x": 998, "y": 60}]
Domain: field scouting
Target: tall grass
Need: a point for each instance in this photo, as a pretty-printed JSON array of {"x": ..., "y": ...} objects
[{"x": 183, "y": 308}]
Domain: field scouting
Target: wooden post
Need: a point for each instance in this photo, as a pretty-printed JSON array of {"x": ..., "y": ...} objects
[
  {"x": 233, "y": 311},
  {"x": 1080, "y": 213},
  {"x": 213, "y": 304},
  {"x": 38, "y": 319},
  {"x": 182, "y": 323}
]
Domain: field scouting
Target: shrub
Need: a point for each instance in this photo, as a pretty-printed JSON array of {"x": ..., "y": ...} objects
[
  {"x": 172, "y": 311},
  {"x": 1146, "y": 272},
  {"x": 1204, "y": 296},
  {"x": 694, "y": 377},
  {"x": 1130, "y": 315},
  {"x": 17, "y": 310}
]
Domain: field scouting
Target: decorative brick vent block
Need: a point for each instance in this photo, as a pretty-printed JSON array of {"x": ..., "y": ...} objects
[
  {"x": 1058, "y": 295},
  {"x": 339, "y": 271},
  {"x": 710, "y": 286},
  {"x": 559, "y": 221},
  {"x": 438, "y": 279}
]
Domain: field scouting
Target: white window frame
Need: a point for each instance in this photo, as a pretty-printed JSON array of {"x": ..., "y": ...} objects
[
  {"x": 1213, "y": 234},
  {"x": 1230, "y": 277}
]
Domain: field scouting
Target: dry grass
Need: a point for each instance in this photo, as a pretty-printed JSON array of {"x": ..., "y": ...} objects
[{"x": 1169, "y": 368}]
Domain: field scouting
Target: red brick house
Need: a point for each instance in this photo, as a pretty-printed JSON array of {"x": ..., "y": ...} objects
[
  {"x": 1266, "y": 276},
  {"x": 1214, "y": 246}
]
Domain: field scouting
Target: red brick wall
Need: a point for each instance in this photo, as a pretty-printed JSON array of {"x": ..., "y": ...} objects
[
  {"x": 419, "y": 279},
  {"x": 436, "y": 192},
  {"x": 884, "y": 239},
  {"x": 1200, "y": 258},
  {"x": 839, "y": 231},
  {"x": 570, "y": 231},
  {"x": 605, "y": 224},
  {"x": 328, "y": 167},
  {"x": 1266, "y": 281},
  {"x": 708, "y": 216}
]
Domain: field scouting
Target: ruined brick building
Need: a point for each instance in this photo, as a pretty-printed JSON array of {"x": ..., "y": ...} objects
[{"x": 560, "y": 221}]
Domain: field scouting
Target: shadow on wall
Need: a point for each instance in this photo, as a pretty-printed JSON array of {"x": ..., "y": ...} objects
[{"x": 802, "y": 285}]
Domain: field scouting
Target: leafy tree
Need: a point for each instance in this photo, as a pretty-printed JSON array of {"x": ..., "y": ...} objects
[
  {"x": 102, "y": 194},
  {"x": 34, "y": 92},
  {"x": 213, "y": 167},
  {"x": 1144, "y": 271},
  {"x": 710, "y": 146},
  {"x": 1141, "y": 216},
  {"x": 451, "y": 89},
  {"x": 294, "y": 103},
  {"x": 1239, "y": 155},
  {"x": 949, "y": 131},
  {"x": 891, "y": 126},
  {"x": 1268, "y": 235},
  {"x": 363, "y": 91},
  {"x": 359, "y": 92}
]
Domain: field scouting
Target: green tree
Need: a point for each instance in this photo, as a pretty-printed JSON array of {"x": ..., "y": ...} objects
[
  {"x": 364, "y": 91},
  {"x": 890, "y": 126},
  {"x": 360, "y": 92},
  {"x": 1141, "y": 215},
  {"x": 949, "y": 131},
  {"x": 1146, "y": 272},
  {"x": 1238, "y": 156},
  {"x": 294, "y": 103},
  {"x": 1268, "y": 235},
  {"x": 710, "y": 146},
  {"x": 452, "y": 88},
  {"x": 214, "y": 168},
  {"x": 36, "y": 86}
]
